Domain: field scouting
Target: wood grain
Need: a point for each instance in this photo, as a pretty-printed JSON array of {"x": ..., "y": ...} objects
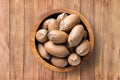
[
  {"x": 110, "y": 46},
  {"x": 16, "y": 39},
  {"x": 115, "y": 19},
  {"x": 4, "y": 40},
  {"x": 87, "y": 69},
  {"x": 17, "y": 18},
  {"x": 30, "y": 63},
  {"x": 74, "y": 75},
  {"x": 98, "y": 37}
]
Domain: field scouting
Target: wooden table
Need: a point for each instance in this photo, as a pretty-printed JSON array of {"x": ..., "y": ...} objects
[{"x": 17, "y": 17}]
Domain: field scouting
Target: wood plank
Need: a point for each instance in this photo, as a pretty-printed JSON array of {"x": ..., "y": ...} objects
[
  {"x": 43, "y": 72},
  {"x": 59, "y": 76},
  {"x": 74, "y": 5},
  {"x": 98, "y": 37},
  {"x": 30, "y": 62},
  {"x": 16, "y": 39},
  {"x": 4, "y": 39},
  {"x": 59, "y": 4},
  {"x": 110, "y": 26},
  {"x": 115, "y": 19},
  {"x": 74, "y": 75},
  {"x": 87, "y": 69},
  {"x": 44, "y": 6}
]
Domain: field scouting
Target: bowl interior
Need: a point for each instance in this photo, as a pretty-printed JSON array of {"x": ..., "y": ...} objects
[{"x": 54, "y": 14}]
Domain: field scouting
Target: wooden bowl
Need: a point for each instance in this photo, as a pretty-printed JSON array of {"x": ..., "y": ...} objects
[{"x": 54, "y": 14}]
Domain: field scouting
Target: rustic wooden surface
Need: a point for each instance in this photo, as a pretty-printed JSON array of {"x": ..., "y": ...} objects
[{"x": 18, "y": 16}]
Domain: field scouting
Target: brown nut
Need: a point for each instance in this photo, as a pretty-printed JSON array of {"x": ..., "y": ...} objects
[
  {"x": 85, "y": 34},
  {"x": 41, "y": 35},
  {"x": 57, "y": 36},
  {"x": 74, "y": 59},
  {"x": 83, "y": 48},
  {"x": 56, "y": 50},
  {"x": 61, "y": 17},
  {"x": 53, "y": 24},
  {"x": 76, "y": 35},
  {"x": 69, "y": 22},
  {"x": 45, "y": 24},
  {"x": 59, "y": 62},
  {"x": 43, "y": 52}
]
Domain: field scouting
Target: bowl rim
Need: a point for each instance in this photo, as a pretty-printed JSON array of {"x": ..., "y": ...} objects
[{"x": 36, "y": 26}]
